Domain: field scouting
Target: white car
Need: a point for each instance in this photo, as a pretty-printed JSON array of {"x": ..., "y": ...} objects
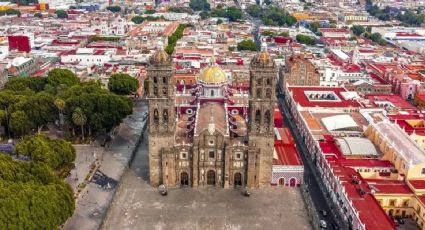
[{"x": 323, "y": 224}]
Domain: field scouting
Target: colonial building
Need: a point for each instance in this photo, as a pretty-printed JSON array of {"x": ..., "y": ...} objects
[
  {"x": 211, "y": 134},
  {"x": 299, "y": 71}
]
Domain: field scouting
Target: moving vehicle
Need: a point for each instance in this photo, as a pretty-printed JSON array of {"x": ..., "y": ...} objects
[{"x": 323, "y": 224}]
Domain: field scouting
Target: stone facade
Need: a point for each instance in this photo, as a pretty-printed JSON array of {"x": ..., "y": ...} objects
[
  {"x": 205, "y": 136},
  {"x": 299, "y": 71}
]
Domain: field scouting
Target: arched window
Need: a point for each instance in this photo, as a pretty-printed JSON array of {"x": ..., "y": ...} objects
[
  {"x": 164, "y": 80},
  {"x": 267, "y": 117},
  {"x": 155, "y": 91},
  {"x": 155, "y": 80},
  {"x": 164, "y": 91},
  {"x": 165, "y": 116},
  {"x": 155, "y": 117},
  {"x": 268, "y": 93},
  {"x": 259, "y": 82},
  {"x": 259, "y": 93},
  {"x": 269, "y": 81},
  {"x": 257, "y": 116},
  {"x": 212, "y": 93}
]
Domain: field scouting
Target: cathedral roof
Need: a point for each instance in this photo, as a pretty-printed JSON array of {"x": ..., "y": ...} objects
[
  {"x": 160, "y": 57},
  {"x": 263, "y": 59},
  {"x": 212, "y": 75}
]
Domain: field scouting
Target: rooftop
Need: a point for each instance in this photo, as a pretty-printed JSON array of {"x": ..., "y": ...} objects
[{"x": 299, "y": 95}]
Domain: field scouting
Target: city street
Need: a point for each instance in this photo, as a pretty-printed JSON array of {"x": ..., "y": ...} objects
[{"x": 312, "y": 182}]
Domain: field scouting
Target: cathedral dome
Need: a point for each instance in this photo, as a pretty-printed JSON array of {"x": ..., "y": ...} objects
[
  {"x": 212, "y": 75},
  {"x": 159, "y": 57}
]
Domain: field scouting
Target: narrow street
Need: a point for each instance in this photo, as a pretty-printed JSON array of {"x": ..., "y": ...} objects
[{"x": 319, "y": 199}]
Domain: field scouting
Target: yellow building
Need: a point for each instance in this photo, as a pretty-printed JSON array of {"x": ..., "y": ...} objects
[
  {"x": 301, "y": 16},
  {"x": 5, "y": 6},
  {"x": 398, "y": 148}
]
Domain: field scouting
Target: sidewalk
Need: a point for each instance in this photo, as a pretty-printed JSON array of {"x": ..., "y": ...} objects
[{"x": 94, "y": 201}]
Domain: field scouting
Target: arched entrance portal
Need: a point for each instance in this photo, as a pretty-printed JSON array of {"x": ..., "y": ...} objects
[
  {"x": 184, "y": 179},
  {"x": 211, "y": 177},
  {"x": 282, "y": 181},
  {"x": 238, "y": 179},
  {"x": 292, "y": 182}
]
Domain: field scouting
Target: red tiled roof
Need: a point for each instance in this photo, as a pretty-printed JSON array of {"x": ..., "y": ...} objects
[
  {"x": 333, "y": 30},
  {"x": 389, "y": 186},
  {"x": 301, "y": 98},
  {"x": 417, "y": 184},
  {"x": 406, "y": 34},
  {"x": 286, "y": 151},
  {"x": 368, "y": 163}
]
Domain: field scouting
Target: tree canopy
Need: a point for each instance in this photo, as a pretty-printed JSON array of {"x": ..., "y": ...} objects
[
  {"x": 358, "y": 30},
  {"x": 199, "y": 5},
  {"x": 123, "y": 84},
  {"x": 272, "y": 15},
  {"x": 27, "y": 104},
  {"x": 31, "y": 196},
  {"x": 61, "y": 14},
  {"x": 54, "y": 153},
  {"x": 172, "y": 40},
  {"x": 304, "y": 39},
  {"x": 247, "y": 45},
  {"x": 232, "y": 13},
  {"x": 114, "y": 9}
]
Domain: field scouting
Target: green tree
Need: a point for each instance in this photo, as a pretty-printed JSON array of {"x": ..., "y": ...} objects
[
  {"x": 35, "y": 84},
  {"x": 304, "y": 39},
  {"x": 60, "y": 105},
  {"x": 204, "y": 15},
  {"x": 268, "y": 33},
  {"x": 358, "y": 30},
  {"x": 79, "y": 119},
  {"x": 284, "y": 34},
  {"x": 247, "y": 45},
  {"x": 38, "y": 15},
  {"x": 233, "y": 14},
  {"x": 376, "y": 37},
  {"x": 65, "y": 77},
  {"x": 32, "y": 197},
  {"x": 114, "y": 9},
  {"x": 150, "y": 11},
  {"x": 123, "y": 84},
  {"x": 314, "y": 26},
  {"x": 55, "y": 153},
  {"x": 199, "y": 5},
  {"x": 219, "y": 21},
  {"x": 61, "y": 14},
  {"x": 20, "y": 124}
]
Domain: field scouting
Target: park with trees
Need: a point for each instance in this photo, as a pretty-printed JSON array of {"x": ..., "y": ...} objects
[
  {"x": 247, "y": 45},
  {"x": 28, "y": 105},
  {"x": 271, "y": 15},
  {"x": 172, "y": 40}
]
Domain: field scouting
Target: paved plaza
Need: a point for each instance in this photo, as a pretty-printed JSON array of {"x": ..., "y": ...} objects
[{"x": 138, "y": 206}]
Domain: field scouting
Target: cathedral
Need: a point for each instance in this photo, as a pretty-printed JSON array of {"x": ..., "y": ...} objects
[{"x": 211, "y": 134}]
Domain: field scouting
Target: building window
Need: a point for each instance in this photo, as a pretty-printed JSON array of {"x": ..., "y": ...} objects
[
  {"x": 184, "y": 156},
  {"x": 211, "y": 142},
  {"x": 423, "y": 171},
  {"x": 392, "y": 202},
  {"x": 238, "y": 156},
  {"x": 211, "y": 154}
]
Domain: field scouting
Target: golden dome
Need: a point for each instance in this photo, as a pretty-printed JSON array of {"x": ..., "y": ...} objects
[
  {"x": 212, "y": 75},
  {"x": 160, "y": 56}
]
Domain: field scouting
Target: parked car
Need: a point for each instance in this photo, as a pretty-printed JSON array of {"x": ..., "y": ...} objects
[
  {"x": 323, "y": 224},
  {"x": 400, "y": 220},
  {"x": 323, "y": 212}
]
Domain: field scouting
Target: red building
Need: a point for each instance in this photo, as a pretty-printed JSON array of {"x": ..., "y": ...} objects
[{"x": 20, "y": 43}]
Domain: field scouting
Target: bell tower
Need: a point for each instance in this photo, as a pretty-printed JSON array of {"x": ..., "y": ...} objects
[
  {"x": 263, "y": 75},
  {"x": 161, "y": 124}
]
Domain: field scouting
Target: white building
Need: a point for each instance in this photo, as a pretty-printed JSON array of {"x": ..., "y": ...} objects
[{"x": 88, "y": 56}]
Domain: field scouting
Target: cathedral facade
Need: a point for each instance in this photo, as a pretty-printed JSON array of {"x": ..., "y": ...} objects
[{"x": 211, "y": 134}]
